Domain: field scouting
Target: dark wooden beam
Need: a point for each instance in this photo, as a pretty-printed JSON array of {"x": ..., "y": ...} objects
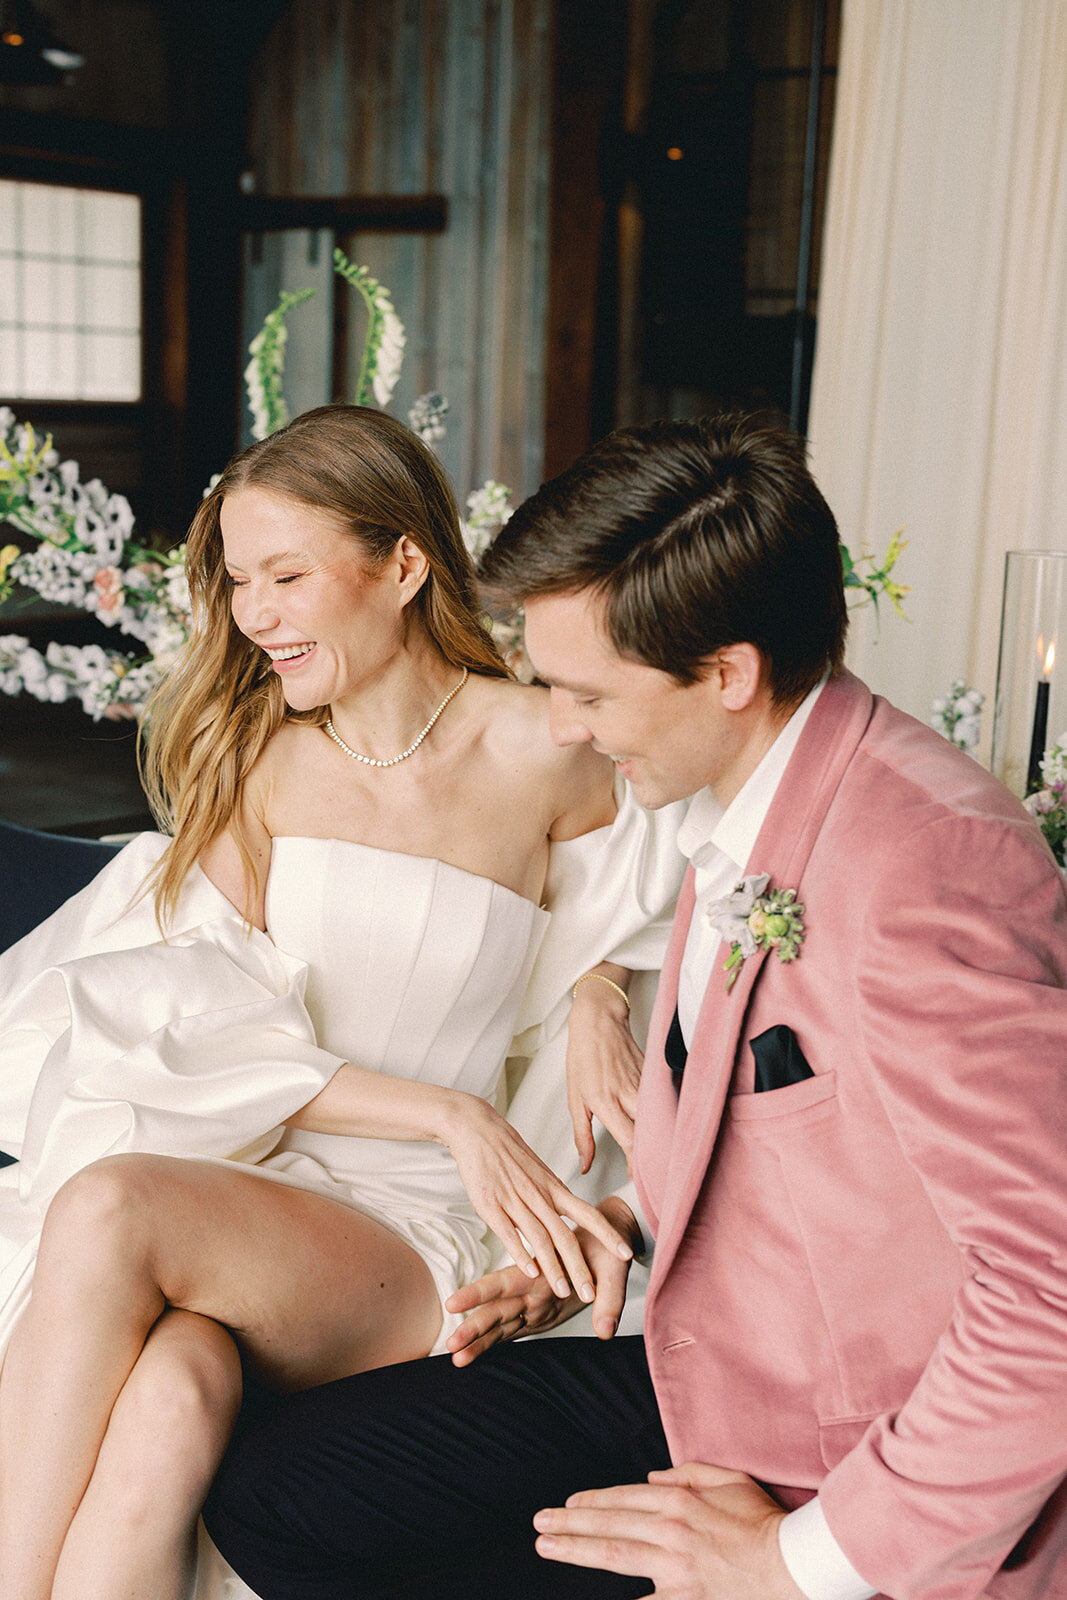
[
  {"x": 31, "y": 139},
  {"x": 371, "y": 213},
  {"x": 588, "y": 68}
]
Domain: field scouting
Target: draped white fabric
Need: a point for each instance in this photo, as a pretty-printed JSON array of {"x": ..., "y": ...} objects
[
  {"x": 940, "y": 389},
  {"x": 112, "y": 1040}
]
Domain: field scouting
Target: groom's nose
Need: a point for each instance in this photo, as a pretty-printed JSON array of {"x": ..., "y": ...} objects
[{"x": 564, "y": 721}]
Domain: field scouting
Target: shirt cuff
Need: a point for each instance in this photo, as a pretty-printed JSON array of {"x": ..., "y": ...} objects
[
  {"x": 628, "y": 1194},
  {"x": 816, "y": 1562}
]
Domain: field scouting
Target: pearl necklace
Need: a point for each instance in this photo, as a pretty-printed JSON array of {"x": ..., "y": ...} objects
[{"x": 370, "y": 761}]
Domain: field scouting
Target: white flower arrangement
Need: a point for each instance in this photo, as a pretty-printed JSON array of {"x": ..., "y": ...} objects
[
  {"x": 958, "y": 715},
  {"x": 87, "y": 557},
  {"x": 1048, "y": 806},
  {"x": 263, "y": 374},
  {"x": 383, "y": 349},
  {"x": 427, "y": 417}
]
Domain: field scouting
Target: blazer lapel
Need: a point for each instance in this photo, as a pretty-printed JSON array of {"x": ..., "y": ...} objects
[
  {"x": 798, "y": 810},
  {"x": 657, "y": 1101}
]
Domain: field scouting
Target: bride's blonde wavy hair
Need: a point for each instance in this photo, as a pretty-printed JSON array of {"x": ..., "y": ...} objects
[{"x": 211, "y": 717}]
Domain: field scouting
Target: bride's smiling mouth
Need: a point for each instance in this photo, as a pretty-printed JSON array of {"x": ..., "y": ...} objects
[{"x": 286, "y": 657}]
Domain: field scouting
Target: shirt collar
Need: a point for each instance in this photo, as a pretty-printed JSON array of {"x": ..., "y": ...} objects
[{"x": 708, "y": 829}]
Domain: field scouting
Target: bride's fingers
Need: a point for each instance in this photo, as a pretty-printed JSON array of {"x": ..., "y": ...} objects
[
  {"x": 586, "y": 1216},
  {"x": 545, "y": 1232},
  {"x": 584, "y": 1142},
  {"x": 619, "y": 1123},
  {"x": 507, "y": 1231}
]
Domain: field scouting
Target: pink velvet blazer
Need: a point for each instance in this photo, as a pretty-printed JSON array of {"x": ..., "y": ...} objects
[{"x": 860, "y": 1280}]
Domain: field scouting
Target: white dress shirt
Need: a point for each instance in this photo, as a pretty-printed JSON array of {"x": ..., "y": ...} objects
[{"x": 719, "y": 844}]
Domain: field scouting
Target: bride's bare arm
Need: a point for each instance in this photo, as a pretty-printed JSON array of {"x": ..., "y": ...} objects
[
  {"x": 223, "y": 864},
  {"x": 603, "y": 1061},
  {"x": 509, "y": 1186}
]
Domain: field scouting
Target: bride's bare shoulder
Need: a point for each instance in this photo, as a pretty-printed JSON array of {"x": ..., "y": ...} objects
[
  {"x": 516, "y": 718},
  {"x": 578, "y": 777},
  {"x": 294, "y": 754}
]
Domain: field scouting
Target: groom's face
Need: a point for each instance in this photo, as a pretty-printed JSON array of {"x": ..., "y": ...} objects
[{"x": 667, "y": 739}]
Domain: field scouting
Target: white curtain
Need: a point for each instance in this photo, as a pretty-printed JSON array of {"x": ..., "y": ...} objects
[{"x": 939, "y": 400}]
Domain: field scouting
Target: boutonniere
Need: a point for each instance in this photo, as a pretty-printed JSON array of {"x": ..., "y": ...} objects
[{"x": 749, "y": 919}]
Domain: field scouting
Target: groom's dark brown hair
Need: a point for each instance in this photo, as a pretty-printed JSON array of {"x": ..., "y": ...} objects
[{"x": 698, "y": 535}]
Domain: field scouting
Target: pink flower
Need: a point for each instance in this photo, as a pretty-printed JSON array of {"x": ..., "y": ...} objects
[{"x": 108, "y": 585}]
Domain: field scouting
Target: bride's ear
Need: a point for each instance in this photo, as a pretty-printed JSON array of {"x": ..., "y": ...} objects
[{"x": 412, "y": 568}]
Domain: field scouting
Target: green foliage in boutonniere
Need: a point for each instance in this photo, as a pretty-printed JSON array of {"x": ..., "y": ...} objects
[{"x": 750, "y": 919}]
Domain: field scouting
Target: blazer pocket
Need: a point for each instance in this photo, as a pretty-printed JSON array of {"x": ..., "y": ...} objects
[
  {"x": 837, "y": 1438},
  {"x": 790, "y": 1101}
]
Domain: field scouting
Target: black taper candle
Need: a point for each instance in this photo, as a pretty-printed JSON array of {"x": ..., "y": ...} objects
[{"x": 1034, "y": 779}]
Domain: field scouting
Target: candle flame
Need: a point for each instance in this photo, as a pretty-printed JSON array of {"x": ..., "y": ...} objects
[{"x": 1050, "y": 657}]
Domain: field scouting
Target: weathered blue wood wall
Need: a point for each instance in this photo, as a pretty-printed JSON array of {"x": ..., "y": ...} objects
[{"x": 354, "y": 97}]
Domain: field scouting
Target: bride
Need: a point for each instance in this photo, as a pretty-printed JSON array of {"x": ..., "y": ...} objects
[{"x": 253, "y": 1104}]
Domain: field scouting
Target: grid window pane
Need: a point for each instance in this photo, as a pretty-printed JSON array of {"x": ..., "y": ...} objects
[
  {"x": 112, "y": 224},
  {"x": 111, "y": 296},
  {"x": 50, "y": 364},
  {"x": 50, "y": 294},
  {"x": 70, "y": 293},
  {"x": 112, "y": 368}
]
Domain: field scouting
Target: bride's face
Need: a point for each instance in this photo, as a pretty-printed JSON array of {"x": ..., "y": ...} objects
[{"x": 304, "y": 591}]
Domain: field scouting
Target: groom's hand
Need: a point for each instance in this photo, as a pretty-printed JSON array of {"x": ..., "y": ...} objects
[
  {"x": 508, "y": 1304},
  {"x": 504, "y": 1305},
  {"x": 696, "y": 1532}
]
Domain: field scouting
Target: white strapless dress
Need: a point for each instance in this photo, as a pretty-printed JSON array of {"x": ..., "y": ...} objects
[
  {"x": 416, "y": 969},
  {"x": 202, "y": 1045}
]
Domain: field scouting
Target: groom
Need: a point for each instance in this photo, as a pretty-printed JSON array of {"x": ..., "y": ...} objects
[{"x": 851, "y": 1141}]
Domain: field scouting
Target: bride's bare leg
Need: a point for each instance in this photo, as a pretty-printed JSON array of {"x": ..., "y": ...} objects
[
  {"x": 313, "y": 1290},
  {"x": 134, "y": 1534}
]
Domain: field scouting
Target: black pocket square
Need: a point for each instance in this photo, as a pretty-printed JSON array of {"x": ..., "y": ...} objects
[
  {"x": 675, "y": 1050},
  {"x": 779, "y": 1059}
]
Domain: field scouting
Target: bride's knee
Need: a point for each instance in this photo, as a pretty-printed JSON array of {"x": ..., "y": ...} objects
[
  {"x": 179, "y": 1404},
  {"x": 104, "y": 1207}
]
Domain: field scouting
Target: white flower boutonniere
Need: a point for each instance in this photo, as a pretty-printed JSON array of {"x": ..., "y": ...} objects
[{"x": 750, "y": 919}]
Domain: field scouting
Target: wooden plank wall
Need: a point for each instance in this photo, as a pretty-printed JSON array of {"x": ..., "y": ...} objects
[{"x": 357, "y": 97}]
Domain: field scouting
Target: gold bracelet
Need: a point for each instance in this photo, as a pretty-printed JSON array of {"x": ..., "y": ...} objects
[{"x": 599, "y": 976}]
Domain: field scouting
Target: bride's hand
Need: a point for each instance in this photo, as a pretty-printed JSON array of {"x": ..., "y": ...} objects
[
  {"x": 524, "y": 1202},
  {"x": 508, "y": 1305},
  {"x": 603, "y": 1068}
]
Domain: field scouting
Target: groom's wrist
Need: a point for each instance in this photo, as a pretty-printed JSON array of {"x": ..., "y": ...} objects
[{"x": 622, "y": 1219}]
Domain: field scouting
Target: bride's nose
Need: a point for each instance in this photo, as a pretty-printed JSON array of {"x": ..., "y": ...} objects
[{"x": 255, "y": 609}]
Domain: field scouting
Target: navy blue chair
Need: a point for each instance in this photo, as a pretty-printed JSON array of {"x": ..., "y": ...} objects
[{"x": 38, "y": 871}]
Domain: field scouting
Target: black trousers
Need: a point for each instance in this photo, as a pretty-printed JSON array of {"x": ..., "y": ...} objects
[{"x": 419, "y": 1481}]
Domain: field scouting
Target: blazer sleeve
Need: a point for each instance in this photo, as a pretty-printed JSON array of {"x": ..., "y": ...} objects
[{"x": 962, "y": 996}]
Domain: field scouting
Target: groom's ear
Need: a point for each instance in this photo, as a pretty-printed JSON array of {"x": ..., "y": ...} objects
[{"x": 739, "y": 670}]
